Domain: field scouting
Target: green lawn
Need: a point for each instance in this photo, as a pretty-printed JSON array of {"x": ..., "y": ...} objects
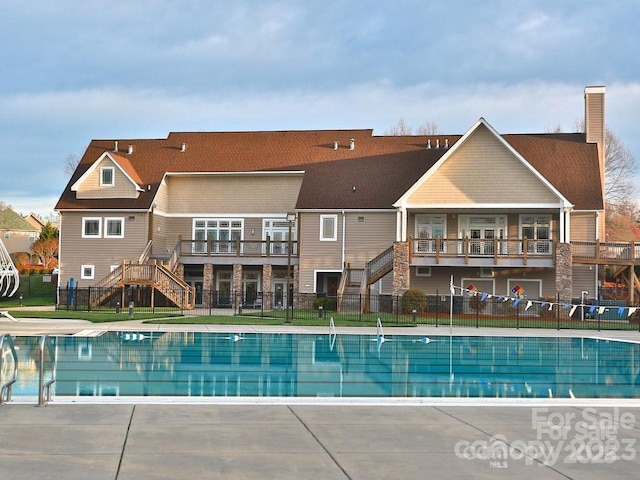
[{"x": 340, "y": 320}]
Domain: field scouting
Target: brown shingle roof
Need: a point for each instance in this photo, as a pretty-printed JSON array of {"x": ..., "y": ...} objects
[{"x": 381, "y": 168}]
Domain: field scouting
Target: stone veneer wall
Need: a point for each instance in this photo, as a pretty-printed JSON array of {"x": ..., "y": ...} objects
[
  {"x": 564, "y": 270},
  {"x": 401, "y": 277},
  {"x": 267, "y": 274},
  {"x": 207, "y": 284},
  {"x": 237, "y": 285}
]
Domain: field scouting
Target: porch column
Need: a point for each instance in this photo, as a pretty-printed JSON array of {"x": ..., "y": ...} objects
[
  {"x": 207, "y": 284},
  {"x": 401, "y": 276},
  {"x": 237, "y": 285},
  {"x": 564, "y": 270},
  {"x": 267, "y": 274}
]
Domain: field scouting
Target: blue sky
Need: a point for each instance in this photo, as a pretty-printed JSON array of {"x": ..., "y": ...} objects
[{"x": 75, "y": 70}]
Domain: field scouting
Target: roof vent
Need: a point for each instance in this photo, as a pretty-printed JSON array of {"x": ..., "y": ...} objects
[
  {"x": 335, "y": 145},
  {"x": 437, "y": 143},
  {"x": 115, "y": 148},
  {"x": 130, "y": 151},
  {"x": 429, "y": 143},
  {"x": 352, "y": 144},
  {"x": 446, "y": 143},
  {"x": 183, "y": 147}
]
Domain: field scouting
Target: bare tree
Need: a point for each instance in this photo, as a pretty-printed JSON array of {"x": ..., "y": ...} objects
[
  {"x": 402, "y": 128},
  {"x": 619, "y": 170},
  {"x": 71, "y": 163}
]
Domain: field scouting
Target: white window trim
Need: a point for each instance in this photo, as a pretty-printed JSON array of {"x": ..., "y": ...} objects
[
  {"x": 113, "y": 177},
  {"x": 521, "y": 223},
  {"x": 106, "y": 230},
  {"x": 84, "y": 225},
  {"x": 87, "y": 277},
  {"x": 334, "y": 237}
]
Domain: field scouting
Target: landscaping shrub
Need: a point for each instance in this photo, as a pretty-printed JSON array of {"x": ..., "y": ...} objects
[{"x": 414, "y": 299}]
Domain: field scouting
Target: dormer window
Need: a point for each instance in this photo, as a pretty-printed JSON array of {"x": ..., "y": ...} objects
[{"x": 107, "y": 177}]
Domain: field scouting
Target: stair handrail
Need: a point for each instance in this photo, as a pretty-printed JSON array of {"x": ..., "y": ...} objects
[
  {"x": 144, "y": 256},
  {"x": 5, "y": 389},
  {"x": 44, "y": 388},
  {"x": 379, "y": 263}
]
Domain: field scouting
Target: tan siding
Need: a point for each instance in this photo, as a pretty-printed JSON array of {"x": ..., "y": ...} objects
[
  {"x": 583, "y": 226},
  {"x": 368, "y": 238},
  {"x": 162, "y": 198},
  {"x": 101, "y": 252},
  {"x": 439, "y": 280},
  {"x": 584, "y": 279},
  {"x": 479, "y": 162},
  {"x": 232, "y": 194},
  {"x": 314, "y": 254},
  {"x": 122, "y": 188}
]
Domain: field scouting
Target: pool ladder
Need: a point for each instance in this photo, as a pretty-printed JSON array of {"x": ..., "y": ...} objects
[
  {"x": 44, "y": 388},
  {"x": 5, "y": 389}
]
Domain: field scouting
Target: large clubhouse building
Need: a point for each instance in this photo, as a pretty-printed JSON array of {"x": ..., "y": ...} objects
[{"x": 242, "y": 213}]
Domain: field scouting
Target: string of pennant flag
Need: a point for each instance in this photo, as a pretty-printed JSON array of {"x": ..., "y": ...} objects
[{"x": 515, "y": 300}]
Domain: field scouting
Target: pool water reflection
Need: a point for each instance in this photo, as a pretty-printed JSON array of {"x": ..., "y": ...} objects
[{"x": 307, "y": 365}]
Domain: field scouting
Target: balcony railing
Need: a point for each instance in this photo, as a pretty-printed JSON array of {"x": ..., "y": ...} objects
[
  {"x": 481, "y": 248},
  {"x": 238, "y": 248},
  {"x": 607, "y": 252}
]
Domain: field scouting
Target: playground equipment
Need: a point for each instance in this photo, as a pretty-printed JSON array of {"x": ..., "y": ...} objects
[{"x": 9, "y": 277}]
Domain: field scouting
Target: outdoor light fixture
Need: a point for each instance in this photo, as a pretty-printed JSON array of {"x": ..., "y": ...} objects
[{"x": 291, "y": 217}]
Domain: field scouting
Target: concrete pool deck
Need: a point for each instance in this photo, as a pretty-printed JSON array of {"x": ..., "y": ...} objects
[
  {"x": 147, "y": 438},
  {"x": 177, "y": 441}
]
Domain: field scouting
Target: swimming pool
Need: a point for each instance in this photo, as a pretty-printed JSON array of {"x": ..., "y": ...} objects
[{"x": 192, "y": 364}]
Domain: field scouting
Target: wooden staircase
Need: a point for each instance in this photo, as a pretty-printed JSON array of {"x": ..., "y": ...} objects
[
  {"x": 355, "y": 282},
  {"x": 153, "y": 274}
]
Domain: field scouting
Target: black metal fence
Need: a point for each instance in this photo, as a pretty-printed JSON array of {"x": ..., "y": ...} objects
[{"x": 430, "y": 309}]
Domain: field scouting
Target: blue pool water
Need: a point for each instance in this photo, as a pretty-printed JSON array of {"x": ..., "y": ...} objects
[{"x": 291, "y": 365}]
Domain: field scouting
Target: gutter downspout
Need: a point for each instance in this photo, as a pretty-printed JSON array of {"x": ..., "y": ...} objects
[{"x": 344, "y": 236}]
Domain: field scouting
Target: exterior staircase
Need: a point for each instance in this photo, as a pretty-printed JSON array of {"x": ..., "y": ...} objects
[
  {"x": 355, "y": 282},
  {"x": 152, "y": 274}
]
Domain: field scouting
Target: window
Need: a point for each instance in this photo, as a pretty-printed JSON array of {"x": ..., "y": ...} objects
[
  {"x": 91, "y": 228},
  {"x": 423, "y": 271},
  {"x": 87, "y": 272},
  {"x": 537, "y": 230},
  {"x": 107, "y": 177},
  {"x": 114, "y": 227},
  {"x": 219, "y": 235},
  {"x": 428, "y": 229},
  {"x": 278, "y": 233},
  {"x": 328, "y": 230}
]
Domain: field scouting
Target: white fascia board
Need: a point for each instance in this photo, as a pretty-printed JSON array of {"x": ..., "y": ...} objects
[
  {"x": 402, "y": 201},
  {"x": 162, "y": 213},
  {"x": 487, "y": 206},
  {"x": 92, "y": 168},
  {"x": 260, "y": 173},
  {"x": 346, "y": 210}
]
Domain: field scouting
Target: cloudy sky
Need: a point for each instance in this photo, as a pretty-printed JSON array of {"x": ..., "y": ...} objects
[{"x": 77, "y": 70}]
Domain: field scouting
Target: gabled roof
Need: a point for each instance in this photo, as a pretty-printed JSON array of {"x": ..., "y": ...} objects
[
  {"x": 123, "y": 164},
  {"x": 13, "y": 222},
  {"x": 516, "y": 155},
  {"x": 381, "y": 168}
]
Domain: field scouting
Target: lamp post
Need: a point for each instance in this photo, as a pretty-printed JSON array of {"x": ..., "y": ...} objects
[{"x": 291, "y": 217}]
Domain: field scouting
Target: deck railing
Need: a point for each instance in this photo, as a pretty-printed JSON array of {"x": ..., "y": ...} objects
[
  {"x": 617, "y": 252},
  {"x": 478, "y": 247},
  {"x": 238, "y": 248}
]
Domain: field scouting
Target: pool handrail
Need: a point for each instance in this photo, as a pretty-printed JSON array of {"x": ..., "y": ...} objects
[
  {"x": 5, "y": 389},
  {"x": 44, "y": 388}
]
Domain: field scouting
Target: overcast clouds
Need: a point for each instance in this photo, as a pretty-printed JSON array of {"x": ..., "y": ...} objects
[{"x": 77, "y": 70}]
